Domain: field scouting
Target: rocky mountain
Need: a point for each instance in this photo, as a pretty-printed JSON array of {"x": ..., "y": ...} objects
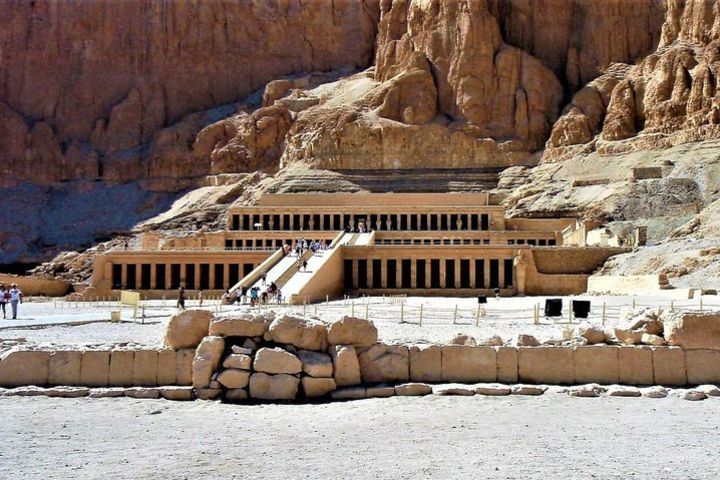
[{"x": 563, "y": 97}]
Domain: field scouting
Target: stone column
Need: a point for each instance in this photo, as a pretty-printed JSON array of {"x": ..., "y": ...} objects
[
  {"x": 197, "y": 276},
  {"x": 370, "y": 272},
  {"x": 413, "y": 273},
  {"x": 443, "y": 274},
  {"x": 123, "y": 275},
  {"x": 153, "y": 276},
  {"x": 383, "y": 273},
  {"x": 472, "y": 274},
  {"x": 355, "y": 273},
  {"x": 226, "y": 276},
  {"x": 501, "y": 272},
  {"x": 428, "y": 272},
  {"x": 168, "y": 276},
  {"x": 292, "y": 222},
  {"x": 212, "y": 277},
  {"x": 271, "y": 222},
  {"x": 138, "y": 276},
  {"x": 520, "y": 267},
  {"x": 487, "y": 272}
]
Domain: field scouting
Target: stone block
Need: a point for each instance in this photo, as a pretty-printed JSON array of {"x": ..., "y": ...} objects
[
  {"x": 187, "y": 328},
  {"x": 346, "y": 367},
  {"x": 238, "y": 361},
  {"x": 317, "y": 387},
  {"x": 234, "y": 378},
  {"x": 145, "y": 368},
  {"x": 468, "y": 364},
  {"x": 413, "y": 389},
  {"x": 316, "y": 364},
  {"x": 236, "y": 394},
  {"x": 166, "y": 372},
  {"x": 507, "y": 364},
  {"x": 276, "y": 360},
  {"x": 425, "y": 363},
  {"x": 208, "y": 393},
  {"x": 693, "y": 330},
  {"x": 112, "y": 392},
  {"x": 176, "y": 393},
  {"x": 703, "y": 366},
  {"x": 669, "y": 366},
  {"x": 492, "y": 389},
  {"x": 95, "y": 368},
  {"x": 596, "y": 364},
  {"x": 240, "y": 325},
  {"x": 350, "y": 393},
  {"x": 142, "y": 392},
  {"x": 184, "y": 366},
  {"x": 352, "y": 331},
  {"x": 380, "y": 391},
  {"x": 384, "y": 364},
  {"x": 454, "y": 389},
  {"x": 121, "y": 368},
  {"x": 552, "y": 365},
  {"x": 635, "y": 366},
  {"x": 24, "y": 367},
  {"x": 64, "y": 367},
  {"x": 206, "y": 360},
  {"x": 299, "y": 332},
  {"x": 273, "y": 387}
]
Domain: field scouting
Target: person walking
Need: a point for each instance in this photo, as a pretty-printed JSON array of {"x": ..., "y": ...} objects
[
  {"x": 243, "y": 294},
  {"x": 181, "y": 298},
  {"x": 304, "y": 265},
  {"x": 4, "y": 297},
  {"x": 16, "y": 297},
  {"x": 264, "y": 279}
]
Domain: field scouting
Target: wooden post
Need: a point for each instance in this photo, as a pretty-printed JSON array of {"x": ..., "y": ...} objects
[
  {"x": 633, "y": 303},
  {"x": 603, "y": 314},
  {"x": 701, "y": 301},
  {"x": 421, "y": 312},
  {"x": 315, "y": 308},
  {"x": 327, "y": 299},
  {"x": 402, "y": 313},
  {"x": 672, "y": 305},
  {"x": 477, "y": 316},
  {"x": 304, "y": 309},
  {"x": 455, "y": 315},
  {"x": 367, "y": 310},
  {"x": 352, "y": 308}
]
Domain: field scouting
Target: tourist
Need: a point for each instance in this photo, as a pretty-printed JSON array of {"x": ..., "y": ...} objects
[
  {"x": 227, "y": 298},
  {"x": 181, "y": 298},
  {"x": 4, "y": 297},
  {"x": 243, "y": 294},
  {"x": 200, "y": 298},
  {"x": 264, "y": 279},
  {"x": 16, "y": 297},
  {"x": 253, "y": 296},
  {"x": 278, "y": 296},
  {"x": 264, "y": 297},
  {"x": 304, "y": 264}
]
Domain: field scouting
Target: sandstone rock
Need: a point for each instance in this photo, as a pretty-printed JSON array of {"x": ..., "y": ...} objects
[
  {"x": 236, "y": 395},
  {"x": 492, "y": 389},
  {"x": 20, "y": 367},
  {"x": 593, "y": 335},
  {"x": 183, "y": 366},
  {"x": 346, "y": 367},
  {"x": 709, "y": 390},
  {"x": 596, "y": 364},
  {"x": 208, "y": 393},
  {"x": 527, "y": 390},
  {"x": 67, "y": 392},
  {"x": 454, "y": 389},
  {"x": 145, "y": 364},
  {"x": 316, "y": 364},
  {"x": 692, "y": 331},
  {"x": 121, "y": 368},
  {"x": 111, "y": 392},
  {"x": 206, "y": 360},
  {"x": 525, "y": 340},
  {"x": 238, "y": 350},
  {"x": 238, "y": 361},
  {"x": 585, "y": 391},
  {"x": 669, "y": 366},
  {"x": 493, "y": 341},
  {"x": 384, "y": 364},
  {"x": 694, "y": 395},
  {"x": 176, "y": 393},
  {"x": 276, "y": 360},
  {"x": 317, "y": 387},
  {"x": 649, "y": 339},
  {"x": 166, "y": 367},
  {"x": 462, "y": 339},
  {"x": 702, "y": 366},
  {"x": 380, "y": 391},
  {"x": 95, "y": 368},
  {"x": 187, "y": 328},
  {"x": 142, "y": 392},
  {"x": 628, "y": 337},
  {"x": 64, "y": 368},
  {"x": 301, "y": 333},
  {"x": 425, "y": 363},
  {"x": 273, "y": 387},
  {"x": 234, "y": 378},
  {"x": 468, "y": 364},
  {"x": 635, "y": 366},
  {"x": 240, "y": 325},
  {"x": 623, "y": 391},
  {"x": 552, "y": 365},
  {"x": 350, "y": 393},
  {"x": 557, "y": 390},
  {"x": 654, "y": 392},
  {"x": 214, "y": 385},
  {"x": 352, "y": 331},
  {"x": 413, "y": 389},
  {"x": 507, "y": 364}
]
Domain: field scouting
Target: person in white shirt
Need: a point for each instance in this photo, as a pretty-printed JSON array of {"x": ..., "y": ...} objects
[{"x": 15, "y": 298}]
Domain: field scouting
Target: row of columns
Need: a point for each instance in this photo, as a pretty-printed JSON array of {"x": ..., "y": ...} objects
[
  {"x": 183, "y": 277},
  {"x": 462, "y": 221}
]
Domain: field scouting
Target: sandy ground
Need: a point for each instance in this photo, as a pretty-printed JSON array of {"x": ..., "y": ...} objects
[
  {"x": 50, "y": 322},
  {"x": 552, "y": 436}
]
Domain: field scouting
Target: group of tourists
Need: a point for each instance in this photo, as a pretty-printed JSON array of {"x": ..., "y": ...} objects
[
  {"x": 257, "y": 295},
  {"x": 13, "y": 296}
]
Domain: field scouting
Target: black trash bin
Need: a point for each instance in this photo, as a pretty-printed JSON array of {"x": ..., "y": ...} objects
[
  {"x": 482, "y": 299},
  {"x": 581, "y": 308},
  {"x": 553, "y": 307}
]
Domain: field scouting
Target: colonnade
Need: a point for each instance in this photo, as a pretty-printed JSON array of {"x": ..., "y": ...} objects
[{"x": 164, "y": 276}]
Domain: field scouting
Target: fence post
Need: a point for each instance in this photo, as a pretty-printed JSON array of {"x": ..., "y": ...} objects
[
  {"x": 603, "y": 314},
  {"x": 536, "y": 313},
  {"x": 633, "y": 303},
  {"x": 327, "y": 299},
  {"x": 421, "y": 312},
  {"x": 672, "y": 305},
  {"x": 477, "y": 316},
  {"x": 352, "y": 308},
  {"x": 304, "y": 308},
  {"x": 701, "y": 305},
  {"x": 455, "y": 315},
  {"x": 367, "y": 311},
  {"x": 402, "y": 313},
  {"x": 315, "y": 306}
]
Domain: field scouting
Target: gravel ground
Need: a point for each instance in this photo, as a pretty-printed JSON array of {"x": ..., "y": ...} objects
[{"x": 551, "y": 436}]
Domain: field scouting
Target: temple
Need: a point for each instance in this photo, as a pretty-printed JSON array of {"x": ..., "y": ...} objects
[{"x": 449, "y": 244}]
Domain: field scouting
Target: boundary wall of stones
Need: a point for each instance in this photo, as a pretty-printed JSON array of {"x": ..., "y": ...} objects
[{"x": 267, "y": 358}]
